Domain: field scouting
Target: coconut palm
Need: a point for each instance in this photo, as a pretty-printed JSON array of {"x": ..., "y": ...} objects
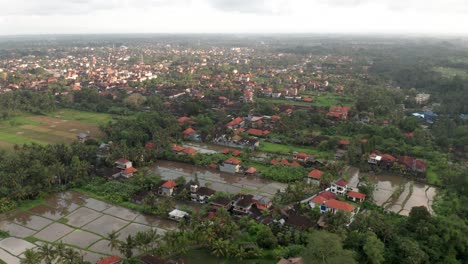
[
  {"x": 220, "y": 248},
  {"x": 127, "y": 247},
  {"x": 48, "y": 253},
  {"x": 31, "y": 257},
  {"x": 72, "y": 256},
  {"x": 114, "y": 242}
]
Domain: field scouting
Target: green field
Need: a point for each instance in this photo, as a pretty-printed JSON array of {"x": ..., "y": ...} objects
[
  {"x": 61, "y": 126},
  {"x": 284, "y": 149},
  {"x": 320, "y": 100},
  {"x": 451, "y": 72},
  {"x": 85, "y": 117}
]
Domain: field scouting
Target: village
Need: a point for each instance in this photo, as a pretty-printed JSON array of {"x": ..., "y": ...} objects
[{"x": 261, "y": 141}]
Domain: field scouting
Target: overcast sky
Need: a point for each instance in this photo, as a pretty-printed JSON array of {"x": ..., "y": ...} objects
[{"x": 233, "y": 16}]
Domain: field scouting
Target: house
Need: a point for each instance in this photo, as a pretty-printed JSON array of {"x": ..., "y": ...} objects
[
  {"x": 261, "y": 202},
  {"x": 128, "y": 172},
  {"x": 334, "y": 206},
  {"x": 355, "y": 196},
  {"x": 299, "y": 221},
  {"x": 387, "y": 161},
  {"x": 185, "y": 120},
  {"x": 82, "y": 137},
  {"x": 201, "y": 194},
  {"x": 221, "y": 202},
  {"x": 314, "y": 176},
  {"x": 320, "y": 198},
  {"x": 176, "y": 149},
  {"x": 257, "y": 132},
  {"x": 103, "y": 150},
  {"x": 339, "y": 187},
  {"x": 178, "y": 215},
  {"x": 110, "y": 260},
  {"x": 191, "y": 134},
  {"x": 242, "y": 203},
  {"x": 338, "y": 112},
  {"x": 412, "y": 164},
  {"x": 251, "y": 171},
  {"x": 422, "y": 98},
  {"x": 167, "y": 189},
  {"x": 189, "y": 151},
  {"x": 237, "y": 122},
  {"x": 123, "y": 164},
  {"x": 374, "y": 159},
  {"x": 291, "y": 261},
  {"x": 231, "y": 165},
  {"x": 302, "y": 157}
]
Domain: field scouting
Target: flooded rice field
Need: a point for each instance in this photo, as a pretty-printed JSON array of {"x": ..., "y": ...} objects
[
  {"x": 75, "y": 219},
  {"x": 219, "y": 181},
  {"x": 398, "y": 194}
]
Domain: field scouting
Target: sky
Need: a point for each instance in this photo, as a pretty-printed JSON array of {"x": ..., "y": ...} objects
[{"x": 433, "y": 17}]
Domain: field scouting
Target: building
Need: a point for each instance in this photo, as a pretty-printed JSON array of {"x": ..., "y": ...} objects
[
  {"x": 123, "y": 164},
  {"x": 200, "y": 194},
  {"x": 291, "y": 261},
  {"x": 167, "y": 189},
  {"x": 314, "y": 176},
  {"x": 178, "y": 215},
  {"x": 339, "y": 187},
  {"x": 355, "y": 196},
  {"x": 231, "y": 165},
  {"x": 422, "y": 98},
  {"x": 242, "y": 203},
  {"x": 261, "y": 202},
  {"x": 82, "y": 137},
  {"x": 110, "y": 260},
  {"x": 221, "y": 202},
  {"x": 338, "y": 112}
]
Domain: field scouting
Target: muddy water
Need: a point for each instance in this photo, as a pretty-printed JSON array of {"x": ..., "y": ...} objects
[
  {"x": 215, "y": 179},
  {"x": 416, "y": 194}
]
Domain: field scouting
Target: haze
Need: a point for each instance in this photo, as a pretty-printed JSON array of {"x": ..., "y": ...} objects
[{"x": 233, "y": 16}]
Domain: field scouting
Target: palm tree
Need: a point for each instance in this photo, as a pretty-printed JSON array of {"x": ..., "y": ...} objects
[
  {"x": 127, "y": 247},
  {"x": 114, "y": 242},
  {"x": 31, "y": 257},
  {"x": 47, "y": 253},
  {"x": 219, "y": 248},
  {"x": 72, "y": 256},
  {"x": 60, "y": 250}
]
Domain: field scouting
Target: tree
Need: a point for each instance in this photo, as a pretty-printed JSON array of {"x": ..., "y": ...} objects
[
  {"x": 114, "y": 242},
  {"x": 325, "y": 247},
  {"x": 31, "y": 257},
  {"x": 47, "y": 253},
  {"x": 127, "y": 247},
  {"x": 374, "y": 249},
  {"x": 135, "y": 100}
]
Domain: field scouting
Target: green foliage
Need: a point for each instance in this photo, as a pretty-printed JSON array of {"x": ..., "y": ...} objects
[
  {"x": 283, "y": 173},
  {"x": 325, "y": 247}
]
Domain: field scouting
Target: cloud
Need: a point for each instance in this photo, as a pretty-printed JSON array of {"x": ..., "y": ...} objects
[
  {"x": 74, "y": 7},
  {"x": 262, "y": 7}
]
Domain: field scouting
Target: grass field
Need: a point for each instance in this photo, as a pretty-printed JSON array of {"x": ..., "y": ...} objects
[
  {"x": 451, "y": 72},
  {"x": 283, "y": 149},
  {"x": 59, "y": 127},
  {"x": 320, "y": 100}
]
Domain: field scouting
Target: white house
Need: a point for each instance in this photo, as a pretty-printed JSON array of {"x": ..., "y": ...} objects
[
  {"x": 339, "y": 187},
  {"x": 177, "y": 215}
]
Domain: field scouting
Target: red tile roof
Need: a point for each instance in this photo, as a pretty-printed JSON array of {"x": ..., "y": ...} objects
[
  {"x": 274, "y": 162},
  {"x": 109, "y": 260},
  {"x": 212, "y": 165},
  {"x": 343, "y": 142},
  {"x": 177, "y": 148},
  {"x": 129, "y": 170},
  {"x": 301, "y": 155},
  {"x": 149, "y": 145},
  {"x": 388, "y": 157},
  {"x": 295, "y": 164},
  {"x": 189, "y": 150},
  {"x": 315, "y": 173},
  {"x": 235, "y": 122},
  {"x": 184, "y": 119},
  {"x": 233, "y": 161},
  {"x": 189, "y": 131},
  {"x": 357, "y": 195},
  {"x": 338, "y": 205},
  {"x": 169, "y": 184},
  {"x": 236, "y": 153},
  {"x": 285, "y": 162},
  {"x": 251, "y": 170},
  {"x": 257, "y": 132},
  {"x": 341, "y": 183},
  {"x": 225, "y": 151}
]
